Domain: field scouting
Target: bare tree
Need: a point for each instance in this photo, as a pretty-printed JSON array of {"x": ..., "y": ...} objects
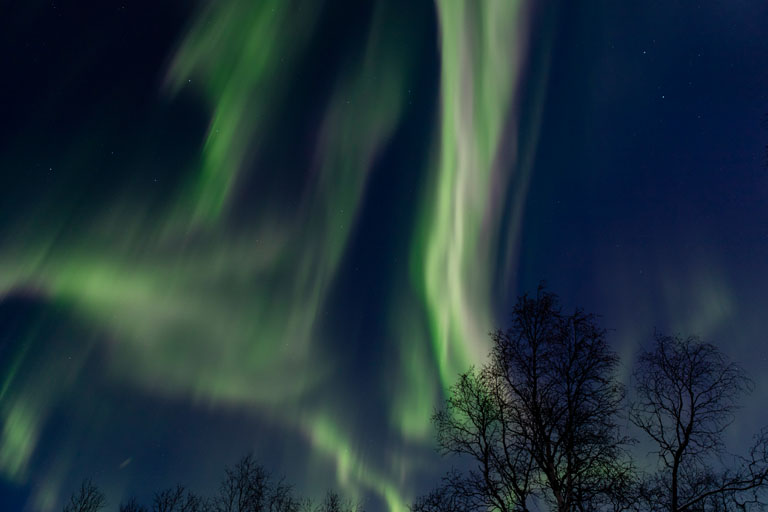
[
  {"x": 334, "y": 502},
  {"x": 248, "y": 487},
  {"x": 445, "y": 498},
  {"x": 87, "y": 499},
  {"x": 540, "y": 421},
  {"x": 475, "y": 423},
  {"x": 177, "y": 499},
  {"x": 132, "y": 506},
  {"x": 687, "y": 393}
]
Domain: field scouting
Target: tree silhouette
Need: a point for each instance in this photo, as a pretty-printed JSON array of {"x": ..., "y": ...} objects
[
  {"x": 132, "y": 506},
  {"x": 333, "y": 502},
  {"x": 474, "y": 423},
  {"x": 539, "y": 421},
  {"x": 687, "y": 393},
  {"x": 248, "y": 487},
  {"x": 177, "y": 499},
  {"x": 87, "y": 499},
  {"x": 445, "y": 498}
]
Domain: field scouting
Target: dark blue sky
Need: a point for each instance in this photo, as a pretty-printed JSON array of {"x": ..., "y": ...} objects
[{"x": 298, "y": 321}]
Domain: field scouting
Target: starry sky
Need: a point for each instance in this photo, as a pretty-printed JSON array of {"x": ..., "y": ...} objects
[{"x": 285, "y": 226}]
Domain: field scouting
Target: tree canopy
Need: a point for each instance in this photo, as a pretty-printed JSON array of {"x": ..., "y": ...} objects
[{"x": 546, "y": 425}]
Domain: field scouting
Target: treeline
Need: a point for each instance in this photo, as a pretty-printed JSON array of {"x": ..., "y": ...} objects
[
  {"x": 546, "y": 424},
  {"x": 247, "y": 487}
]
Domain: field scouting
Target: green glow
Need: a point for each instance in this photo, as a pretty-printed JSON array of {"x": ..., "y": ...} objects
[
  {"x": 18, "y": 439},
  {"x": 415, "y": 402},
  {"x": 16, "y": 363},
  {"x": 190, "y": 307},
  {"x": 352, "y": 474},
  {"x": 220, "y": 316},
  {"x": 707, "y": 297},
  {"x": 240, "y": 54},
  {"x": 459, "y": 232},
  {"x": 482, "y": 45}
]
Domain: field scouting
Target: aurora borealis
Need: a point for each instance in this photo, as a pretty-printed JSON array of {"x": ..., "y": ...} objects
[{"x": 285, "y": 226}]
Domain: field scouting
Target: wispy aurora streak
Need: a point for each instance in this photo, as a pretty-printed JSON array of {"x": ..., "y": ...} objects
[
  {"x": 459, "y": 233},
  {"x": 482, "y": 51},
  {"x": 198, "y": 307},
  {"x": 241, "y": 53}
]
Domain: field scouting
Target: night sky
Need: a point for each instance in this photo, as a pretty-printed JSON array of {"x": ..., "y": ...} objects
[{"x": 285, "y": 226}]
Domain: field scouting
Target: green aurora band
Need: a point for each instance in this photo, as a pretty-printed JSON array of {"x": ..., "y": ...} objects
[
  {"x": 459, "y": 232},
  {"x": 219, "y": 316},
  {"x": 462, "y": 224}
]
